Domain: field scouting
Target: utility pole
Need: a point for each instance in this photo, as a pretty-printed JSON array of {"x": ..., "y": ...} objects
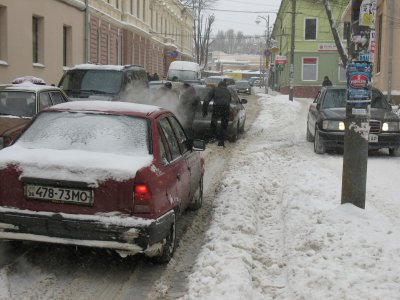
[
  {"x": 267, "y": 57},
  {"x": 291, "y": 79},
  {"x": 359, "y": 74},
  {"x": 391, "y": 14}
]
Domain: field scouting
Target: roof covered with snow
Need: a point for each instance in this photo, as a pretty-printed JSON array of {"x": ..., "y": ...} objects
[{"x": 108, "y": 106}]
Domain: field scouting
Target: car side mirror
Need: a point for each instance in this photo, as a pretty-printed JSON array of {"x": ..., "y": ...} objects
[
  {"x": 318, "y": 106},
  {"x": 243, "y": 101},
  {"x": 198, "y": 145}
]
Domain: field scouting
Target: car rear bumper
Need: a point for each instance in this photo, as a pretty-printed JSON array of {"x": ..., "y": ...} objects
[
  {"x": 127, "y": 234},
  {"x": 336, "y": 140}
]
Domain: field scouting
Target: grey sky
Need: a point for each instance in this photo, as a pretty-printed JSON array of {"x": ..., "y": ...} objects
[{"x": 244, "y": 22}]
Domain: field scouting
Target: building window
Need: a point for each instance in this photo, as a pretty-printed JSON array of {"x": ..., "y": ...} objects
[
  {"x": 132, "y": 7},
  {"x": 116, "y": 51},
  {"x": 342, "y": 74},
  {"x": 379, "y": 42},
  {"x": 67, "y": 45},
  {"x": 144, "y": 11},
  {"x": 346, "y": 30},
  {"x": 98, "y": 46},
  {"x": 137, "y": 8},
  {"x": 121, "y": 50},
  {"x": 107, "y": 49},
  {"x": 151, "y": 18},
  {"x": 310, "y": 69},
  {"x": 117, "y": 4},
  {"x": 37, "y": 39},
  {"x": 3, "y": 33},
  {"x": 310, "y": 29}
]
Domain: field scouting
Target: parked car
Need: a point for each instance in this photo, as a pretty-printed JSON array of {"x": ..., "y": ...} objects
[
  {"x": 20, "y": 102},
  {"x": 213, "y": 81},
  {"x": 252, "y": 79},
  {"x": 104, "y": 82},
  {"x": 257, "y": 83},
  {"x": 194, "y": 82},
  {"x": 237, "y": 115},
  {"x": 326, "y": 121},
  {"x": 111, "y": 175},
  {"x": 243, "y": 86},
  {"x": 156, "y": 84}
]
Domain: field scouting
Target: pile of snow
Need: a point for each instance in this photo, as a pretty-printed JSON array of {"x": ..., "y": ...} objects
[{"x": 278, "y": 230}]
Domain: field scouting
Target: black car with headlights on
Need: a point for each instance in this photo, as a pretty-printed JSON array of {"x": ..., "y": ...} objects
[
  {"x": 326, "y": 122},
  {"x": 243, "y": 86}
]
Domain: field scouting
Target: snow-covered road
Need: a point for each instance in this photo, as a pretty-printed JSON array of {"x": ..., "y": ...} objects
[{"x": 271, "y": 227}]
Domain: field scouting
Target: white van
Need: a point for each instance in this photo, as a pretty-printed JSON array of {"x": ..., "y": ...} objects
[{"x": 184, "y": 70}]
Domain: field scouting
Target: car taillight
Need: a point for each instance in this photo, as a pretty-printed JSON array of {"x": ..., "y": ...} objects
[
  {"x": 5, "y": 141},
  {"x": 142, "y": 198},
  {"x": 232, "y": 113}
]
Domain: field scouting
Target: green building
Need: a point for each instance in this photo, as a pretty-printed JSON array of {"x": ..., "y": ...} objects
[{"x": 315, "y": 52}]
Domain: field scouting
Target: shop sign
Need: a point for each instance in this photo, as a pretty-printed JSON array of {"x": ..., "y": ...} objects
[{"x": 280, "y": 60}]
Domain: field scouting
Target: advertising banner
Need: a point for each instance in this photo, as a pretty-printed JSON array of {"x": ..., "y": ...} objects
[
  {"x": 367, "y": 13},
  {"x": 359, "y": 84}
]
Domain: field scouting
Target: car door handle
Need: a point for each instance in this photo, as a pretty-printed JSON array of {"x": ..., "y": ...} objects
[{"x": 178, "y": 176}]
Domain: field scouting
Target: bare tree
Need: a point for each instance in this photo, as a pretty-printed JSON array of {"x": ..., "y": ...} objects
[
  {"x": 336, "y": 37},
  {"x": 202, "y": 27}
]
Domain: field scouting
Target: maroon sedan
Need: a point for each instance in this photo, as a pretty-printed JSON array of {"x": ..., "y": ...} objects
[{"x": 101, "y": 174}]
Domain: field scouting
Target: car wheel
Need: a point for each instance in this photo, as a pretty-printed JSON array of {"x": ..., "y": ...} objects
[
  {"x": 197, "y": 201},
  {"x": 319, "y": 147},
  {"x": 168, "y": 247},
  {"x": 394, "y": 151},
  {"x": 235, "y": 134},
  {"x": 309, "y": 136}
]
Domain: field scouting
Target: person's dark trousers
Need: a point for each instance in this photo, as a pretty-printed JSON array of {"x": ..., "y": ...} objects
[{"x": 220, "y": 112}]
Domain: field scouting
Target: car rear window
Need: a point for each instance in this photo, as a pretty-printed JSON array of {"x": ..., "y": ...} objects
[
  {"x": 242, "y": 83},
  {"x": 104, "y": 133},
  {"x": 92, "y": 81},
  {"x": 21, "y": 104}
]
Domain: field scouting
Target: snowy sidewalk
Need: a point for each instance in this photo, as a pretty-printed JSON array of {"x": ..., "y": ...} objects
[{"x": 278, "y": 230}]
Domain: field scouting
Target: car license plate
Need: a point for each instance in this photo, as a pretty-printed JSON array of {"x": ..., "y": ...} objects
[
  {"x": 56, "y": 194},
  {"x": 373, "y": 138}
]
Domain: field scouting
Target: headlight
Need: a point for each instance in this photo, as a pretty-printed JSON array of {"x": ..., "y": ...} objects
[
  {"x": 333, "y": 125},
  {"x": 390, "y": 126}
]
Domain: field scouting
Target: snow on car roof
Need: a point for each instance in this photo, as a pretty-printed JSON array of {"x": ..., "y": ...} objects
[
  {"x": 107, "y": 106},
  {"x": 27, "y": 86},
  {"x": 98, "y": 67}
]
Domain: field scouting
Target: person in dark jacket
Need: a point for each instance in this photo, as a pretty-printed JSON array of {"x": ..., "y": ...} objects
[
  {"x": 188, "y": 102},
  {"x": 222, "y": 100},
  {"x": 326, "y": 81}
]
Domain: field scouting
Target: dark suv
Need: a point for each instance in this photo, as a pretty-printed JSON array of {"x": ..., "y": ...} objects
[{"x": 104, "y": 82}]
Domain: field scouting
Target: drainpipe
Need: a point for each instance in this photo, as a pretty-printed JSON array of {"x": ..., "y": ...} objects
[
  {"x": 86, "y": 33},
  {"x": 390, "y": 15}
]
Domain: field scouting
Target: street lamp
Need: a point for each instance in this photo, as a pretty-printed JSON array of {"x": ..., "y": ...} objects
[{"x": 266, "y": 53}]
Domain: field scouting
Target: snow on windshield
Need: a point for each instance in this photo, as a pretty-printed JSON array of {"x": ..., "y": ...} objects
[{"x": 89, "y": 132}]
